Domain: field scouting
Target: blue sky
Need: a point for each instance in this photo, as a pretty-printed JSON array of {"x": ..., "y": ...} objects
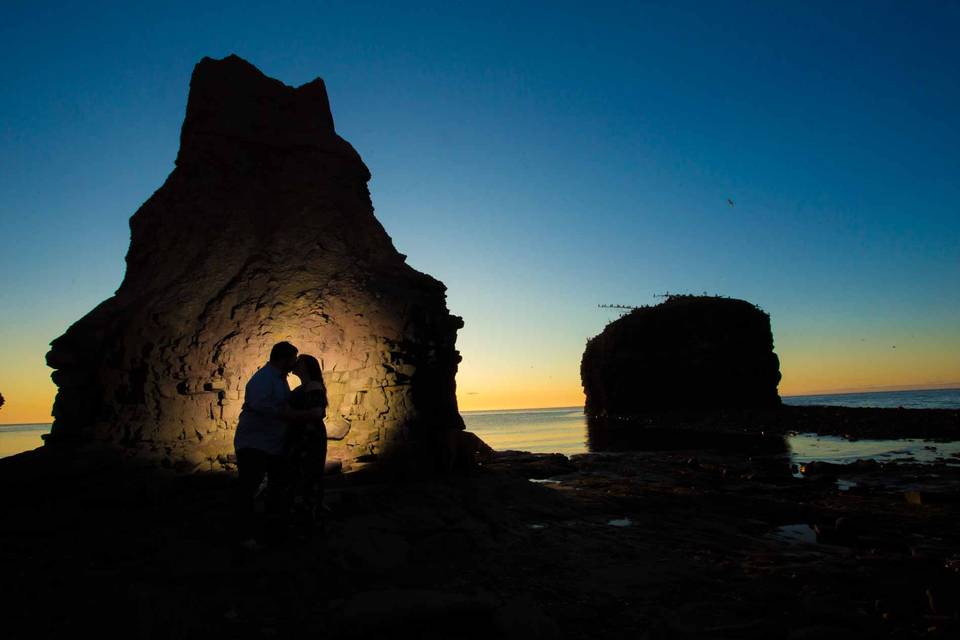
[{"x": 539, "y": 159}]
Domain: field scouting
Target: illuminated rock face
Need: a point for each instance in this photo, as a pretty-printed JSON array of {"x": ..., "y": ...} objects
[
  {"x": 690, "y": 352},
  {"x": 263, "y": 232}
]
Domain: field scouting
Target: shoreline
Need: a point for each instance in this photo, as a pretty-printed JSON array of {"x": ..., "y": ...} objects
[{"x": 674, "y": 543}]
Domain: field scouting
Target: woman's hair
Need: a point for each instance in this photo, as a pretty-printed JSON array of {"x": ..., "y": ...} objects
[{"x": 313, "y": 367}]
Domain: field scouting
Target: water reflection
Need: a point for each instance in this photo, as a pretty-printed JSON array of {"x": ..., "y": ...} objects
[
  {"x": 795, "y": 534},
  {"x": 568, "y": 431},
  {"x": 620, "y": 522},
  {"x": 810, "y": 447},
  {"x": 665, "y": 433}
]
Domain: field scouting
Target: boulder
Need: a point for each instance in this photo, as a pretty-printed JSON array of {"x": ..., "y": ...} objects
[
  {"x": 263, "y": 232},
  {"x": 689, "y": 352}
]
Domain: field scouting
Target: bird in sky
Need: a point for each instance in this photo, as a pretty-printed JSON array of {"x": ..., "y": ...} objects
[{"x": 729, "y": 202}]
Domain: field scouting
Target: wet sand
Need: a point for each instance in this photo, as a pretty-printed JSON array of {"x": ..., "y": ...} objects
[{"x": 681, "y": 543}]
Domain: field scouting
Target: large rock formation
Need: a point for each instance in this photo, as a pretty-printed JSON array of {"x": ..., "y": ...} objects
[
  {"x": 689, "y": 352},
  {"x": 263, "y": 232}
]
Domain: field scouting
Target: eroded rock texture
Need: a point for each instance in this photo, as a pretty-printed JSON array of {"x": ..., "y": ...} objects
[
  {"x": 263, "y": 232},
  {"x": 689, "y": 352}
]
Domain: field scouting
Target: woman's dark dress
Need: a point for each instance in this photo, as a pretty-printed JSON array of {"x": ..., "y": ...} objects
[{"x": 307, "y": 451}]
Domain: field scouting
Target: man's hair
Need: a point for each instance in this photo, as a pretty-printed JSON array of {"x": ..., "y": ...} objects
[{"x": 283, "y": 351}]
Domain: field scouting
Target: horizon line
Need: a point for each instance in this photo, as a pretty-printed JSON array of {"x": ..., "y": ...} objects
[{"x": 945, "y": 386}]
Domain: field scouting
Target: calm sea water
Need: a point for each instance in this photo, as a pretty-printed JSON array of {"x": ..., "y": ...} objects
[
  {"x": 922, "y": 399},
  {"x": 16, "y": 438},
  {"x": 809, "y": 447},
  {"x": 564, "y": 430}
]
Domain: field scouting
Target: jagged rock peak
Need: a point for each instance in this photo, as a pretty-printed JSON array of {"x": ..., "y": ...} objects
[{"x": 232, "y": 100}]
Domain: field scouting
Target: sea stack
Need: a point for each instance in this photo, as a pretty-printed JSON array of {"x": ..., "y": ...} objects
[
  {"x": 263, "y": 232},
  {"x": 689, "y": 352}
]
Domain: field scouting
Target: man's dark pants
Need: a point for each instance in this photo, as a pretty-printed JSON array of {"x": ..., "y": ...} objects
[{"x": 252, "y": 466}]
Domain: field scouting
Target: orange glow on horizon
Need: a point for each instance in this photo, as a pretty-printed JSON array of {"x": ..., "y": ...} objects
[
  {"x": 29, "y": 398},
  {"x": 838, "y": 366},
  {"x": 528, "y": 397},
  {"x": 27, "y": 404}
]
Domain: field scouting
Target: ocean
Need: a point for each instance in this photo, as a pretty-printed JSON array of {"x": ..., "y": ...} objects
[
  {"x": 921, "y": 399},
  {"x": 564, "y": 430},
  {"x": 16, "y": 438}
]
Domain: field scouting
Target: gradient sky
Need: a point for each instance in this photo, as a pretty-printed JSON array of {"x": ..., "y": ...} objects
[{"x": 540, "y": 159}]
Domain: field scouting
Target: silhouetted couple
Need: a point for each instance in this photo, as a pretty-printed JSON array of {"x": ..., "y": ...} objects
[{"x": 281, "y": 436}]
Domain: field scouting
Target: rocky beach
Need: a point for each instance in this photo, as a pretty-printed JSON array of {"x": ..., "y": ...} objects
[{"x": 703, "y": 541}]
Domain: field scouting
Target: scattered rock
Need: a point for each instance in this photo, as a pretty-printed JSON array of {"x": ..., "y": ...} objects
[
  {"x": 931, "y": 497},
  {"x": 522, "y": 619},
  {"x": 415, "y": 610}
]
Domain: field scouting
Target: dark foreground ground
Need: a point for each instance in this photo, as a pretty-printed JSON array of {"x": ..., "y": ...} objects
[{"x": 665, "y": 544}]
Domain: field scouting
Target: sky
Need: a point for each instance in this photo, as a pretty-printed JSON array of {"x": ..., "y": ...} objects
[{"x": 539, "y": 159}]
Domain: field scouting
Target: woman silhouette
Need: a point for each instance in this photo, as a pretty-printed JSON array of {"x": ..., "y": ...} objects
[{"x": 307, "y": 442}]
